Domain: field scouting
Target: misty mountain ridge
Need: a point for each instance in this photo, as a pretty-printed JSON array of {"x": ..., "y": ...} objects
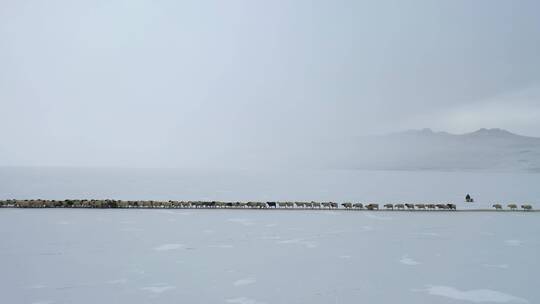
[
  {"x": 425, "y": 149},
  {"x": 483, "y": 132}
]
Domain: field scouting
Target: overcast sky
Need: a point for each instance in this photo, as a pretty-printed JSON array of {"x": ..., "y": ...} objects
[{"x": 180, "y": 83}]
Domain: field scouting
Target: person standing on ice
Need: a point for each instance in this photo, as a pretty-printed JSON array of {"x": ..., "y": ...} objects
[{"x": 468, "y": 199}]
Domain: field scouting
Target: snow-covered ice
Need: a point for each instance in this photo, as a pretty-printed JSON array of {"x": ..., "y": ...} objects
[
  {"x": 167, "y": 247},
  {"x": 117, "y": 281},
  {"x": 242, "y": 221},
  {"x": 158, "y": 288},
  {"x": 476, "y": 296},
  {"x": 243, "y": 300},
  {"x": 223, "y": 246},
  {"x": 408, "y": 261},
  {"x": 235, "y": 256},
  {"x": 246, "y": 281},
  {"x": 513, "y": 242},
  {"x": 500, "y": 266}
]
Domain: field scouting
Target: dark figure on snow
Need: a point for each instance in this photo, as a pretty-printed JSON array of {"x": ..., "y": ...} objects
[{"x": 469, "y": 199}]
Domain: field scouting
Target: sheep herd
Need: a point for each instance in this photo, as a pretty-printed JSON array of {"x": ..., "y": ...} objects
[
  {"x": 216, "y": 204},
  {"x": 69, "y": 203}
]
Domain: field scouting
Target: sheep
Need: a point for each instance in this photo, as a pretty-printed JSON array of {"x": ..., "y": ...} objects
[
  {"x": 431, "y": 206},
  {"x": 526, "y": 207},
  {"x": 358, "y": 206},
  {"x": 326, "y": 205},
  {"x": 372, "y": 207},
  {"x": 389, "y": 206},
  {"x": 347, "y": 205},
  {"x": 409, "y": 206},
  {"x": 258, "y": 205},
  {"x": 512, "y": 206},
  {"x": 316, "y": 205},
  {"x": 400, "y": 206},
  {"x": 497, "y": 206},
  {"x": 300, "y": 204},
  {"x": 421, "y": 206},
  {"x": 282, "y": 204}
]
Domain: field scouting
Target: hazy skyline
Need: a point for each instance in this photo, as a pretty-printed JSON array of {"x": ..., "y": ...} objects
[{"x": 195, "y": 83}]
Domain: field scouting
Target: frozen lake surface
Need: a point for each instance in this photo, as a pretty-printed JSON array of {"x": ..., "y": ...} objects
[
  {"x": 270, "y": 185},
  {"x": 254, "y": 257}
]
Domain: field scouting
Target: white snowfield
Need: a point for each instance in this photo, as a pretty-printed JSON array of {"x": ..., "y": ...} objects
[{"x": 136, "y": 256}]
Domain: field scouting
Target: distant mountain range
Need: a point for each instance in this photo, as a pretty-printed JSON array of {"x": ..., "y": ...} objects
[{"x": 484, "y": 149}]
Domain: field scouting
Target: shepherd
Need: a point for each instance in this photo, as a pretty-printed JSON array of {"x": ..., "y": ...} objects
[{"x": 469, "y": 199}]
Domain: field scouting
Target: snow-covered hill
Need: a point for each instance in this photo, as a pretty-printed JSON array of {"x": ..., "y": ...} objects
[{"x": 484, "y": 149}]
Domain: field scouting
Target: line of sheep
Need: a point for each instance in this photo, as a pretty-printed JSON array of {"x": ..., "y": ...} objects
[
  {"x": 214, "y": 204},
  {"x": 514, "y": 207},
  {"x": 400, "y": 206},
  {"x": 38, "y": 203}
]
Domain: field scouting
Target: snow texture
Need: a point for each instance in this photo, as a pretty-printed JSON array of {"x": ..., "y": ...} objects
[
  {"x": 271, "y": 257},
  {"x": 476, "y": 296}
]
